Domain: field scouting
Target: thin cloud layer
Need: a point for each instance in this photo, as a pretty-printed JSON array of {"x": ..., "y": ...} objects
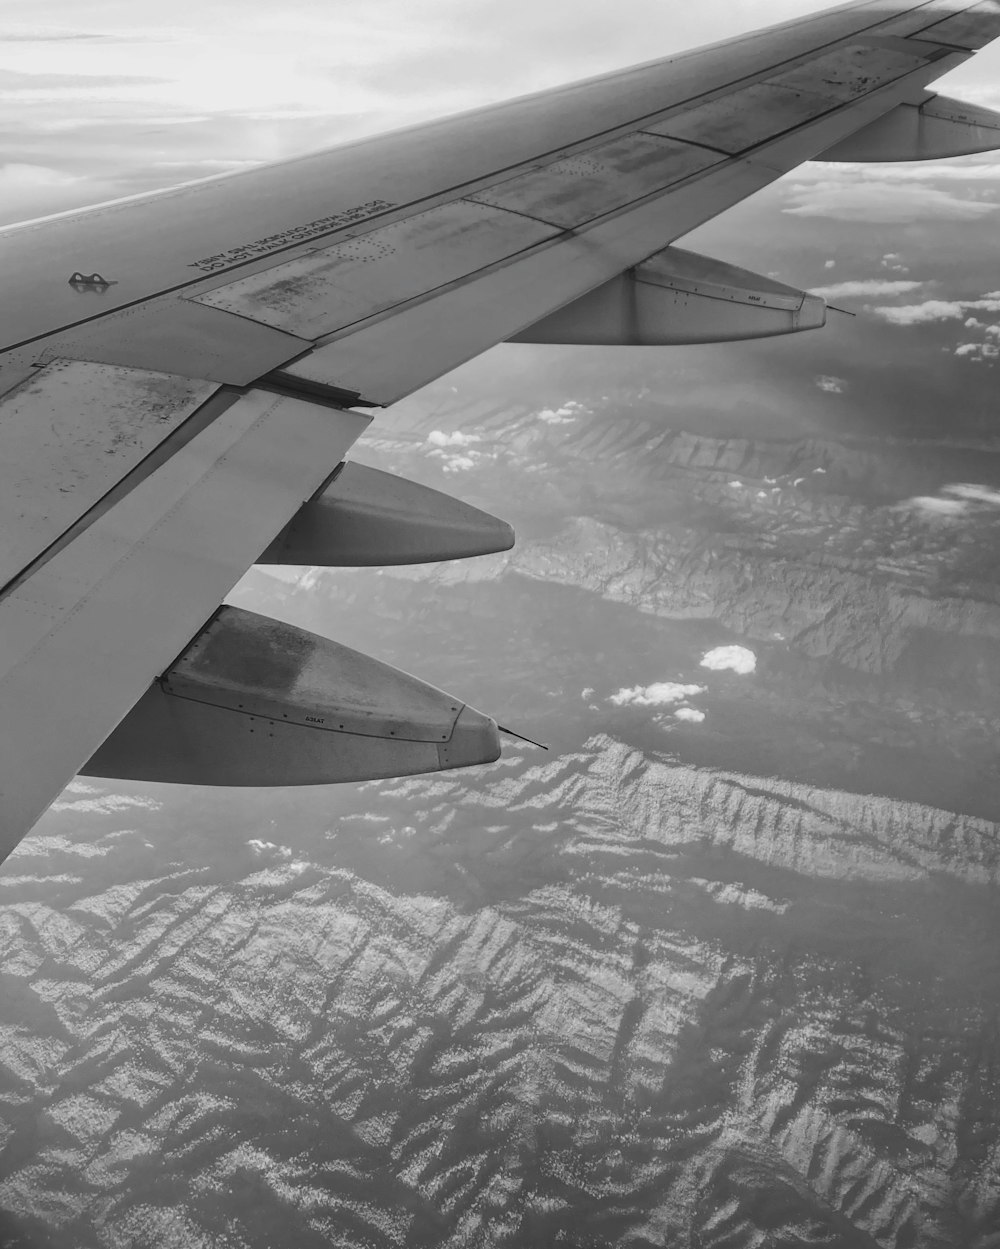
[
  {"x": 973, "y": 493},
  {"x": 275, "y": 82},
  {"x": 867, "y": 288},
  {"x": 937, "y": 310},
  {"x": 896, "y": 194},
  {"x": 932, "y": 507},
  {"x": 883, "y": 203}
]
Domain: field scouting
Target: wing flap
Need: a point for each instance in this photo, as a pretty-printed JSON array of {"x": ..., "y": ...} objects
[
  {"x": 84, "y": 635},
  {"x": 203, "y": 342},
  {"x": 71, "y": 433}
]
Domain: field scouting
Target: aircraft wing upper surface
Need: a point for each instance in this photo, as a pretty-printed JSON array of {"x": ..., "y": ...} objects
[{"x": 181, "y": 376}]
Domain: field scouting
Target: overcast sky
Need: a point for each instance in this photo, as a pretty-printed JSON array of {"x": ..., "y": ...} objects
[{"x": 104, "y": 97}]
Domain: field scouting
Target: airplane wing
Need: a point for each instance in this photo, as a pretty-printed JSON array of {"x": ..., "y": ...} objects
[{"x": 182, "y": 375}]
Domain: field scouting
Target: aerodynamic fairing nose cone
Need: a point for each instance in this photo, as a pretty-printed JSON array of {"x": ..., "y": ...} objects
[{"x": 474, "y": 739}]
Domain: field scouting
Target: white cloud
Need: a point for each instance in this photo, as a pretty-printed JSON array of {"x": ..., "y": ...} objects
[
  {"x": 690, "y": 714},
  {"x": 936, "y": 310},
  {"x": 732, "y": 658},
  {"x": 587, "y": 693},
  {"x": 460, "y": 463},
  {"x": 437, "y": 438},
  {"x": 933, "y": 506},
  {"x": 830, "y": 264},
  {"x": 565, "y": 415},
  {"x": 659, "y": 694},
  {"x": 871, "y": 288},
  {"x": 893, "y": 262},
  {"x": 974, "y": 493},
  {"x": 832, "y": 385},
  {"x": 883, "y": 201},
  {"x": 262, "y": 847},
  {"x": 977, "y": 352}
]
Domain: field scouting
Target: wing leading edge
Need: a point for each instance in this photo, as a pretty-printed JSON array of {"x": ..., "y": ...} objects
[{"x": 154, "y": 444}]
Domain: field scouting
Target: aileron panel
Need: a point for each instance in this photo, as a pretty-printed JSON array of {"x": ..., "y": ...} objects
[
  {"x": 317, "y": 294},
  {"x": 972, "y": 29},
  {"x": 849, "y": 72},
  {"x": 577, "y": 189},
  {"x": 744, "y": 118}
]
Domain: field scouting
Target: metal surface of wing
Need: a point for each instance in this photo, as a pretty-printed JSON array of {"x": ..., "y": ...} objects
[{"x": 238, "y": 318}]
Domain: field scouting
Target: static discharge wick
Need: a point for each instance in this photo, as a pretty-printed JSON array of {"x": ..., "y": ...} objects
[{"x": 521, "y": 738}]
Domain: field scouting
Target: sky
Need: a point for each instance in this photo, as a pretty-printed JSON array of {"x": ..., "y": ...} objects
[{"x": 109, "y": 97}]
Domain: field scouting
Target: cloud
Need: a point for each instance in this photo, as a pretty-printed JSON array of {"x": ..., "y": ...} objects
[
  {"x": 893, "y": 262},
  {"x": 690, "y": 714},
  {"x": 973, "y": 493},
  {"x": 732, "y": 658},
  {"x": 437, "y": 438},
  {"x": 962, "y": 497},
  {"x": 978, "y": 351},
  {"x": 659, "y": 694},
  {"x": 830, "y": 264},
  {"x": 872, "y": 288},
  {"x": 933, "y": 506},
  {"x": 883, "y": 202},
  {"x": 262, "y": 847},
  {"x": 460, "y": 463},
  {"x": 935, "y": 310},
  {"x": 565, "y": 415},
  {"x": 832, "y": 385}
]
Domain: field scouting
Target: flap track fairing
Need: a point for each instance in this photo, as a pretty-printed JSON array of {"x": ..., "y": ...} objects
[
  {"x": 254, "y": 701},
  {"x": 679, "y": 297},
  {"x": 366, "y": 517}
]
